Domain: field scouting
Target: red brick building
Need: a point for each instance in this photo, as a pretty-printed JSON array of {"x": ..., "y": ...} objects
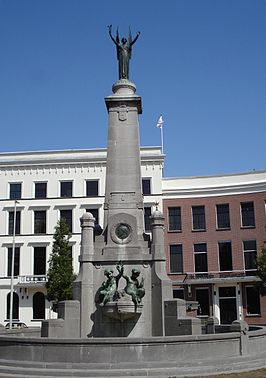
[{"x": 214, "y": 229}]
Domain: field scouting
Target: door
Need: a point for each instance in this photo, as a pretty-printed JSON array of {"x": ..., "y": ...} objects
[{"x": 227, "y": 304}]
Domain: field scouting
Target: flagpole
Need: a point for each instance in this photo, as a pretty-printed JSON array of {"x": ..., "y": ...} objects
[
  {"x": 160, "y": 123},
  {"x": 162, "y": 137},
  {"x": 162, "y": 148}
]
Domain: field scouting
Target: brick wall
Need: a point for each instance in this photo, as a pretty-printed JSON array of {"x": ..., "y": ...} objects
[{"x": 236, "y": 234}]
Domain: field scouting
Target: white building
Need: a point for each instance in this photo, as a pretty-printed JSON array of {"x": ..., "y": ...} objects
[{"x": 49, "y": 185}]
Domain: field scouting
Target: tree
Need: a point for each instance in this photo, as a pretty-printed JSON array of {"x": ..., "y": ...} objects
[
  {"x": 60, "y": 276},
  {"x": 261, "y": 271}
]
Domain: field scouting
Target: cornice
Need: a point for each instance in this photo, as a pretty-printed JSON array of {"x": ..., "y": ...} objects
[
  {"x": 68, "y": 158},
  {"x": 240, "y": 183}
]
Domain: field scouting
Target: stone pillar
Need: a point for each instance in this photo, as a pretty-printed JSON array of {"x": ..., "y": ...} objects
[
  {"x": 53, "y": 328},
  {"x": 242, "y": 327},
  {"x": 70, "y": 312},
  {"x": 157, "y": 225},
  {"x": 83, "y": 286},
  {"x": 123, "y": 170},
  {"x": 161, "y": 285},
  {"x": 211, "y": 322},
  {"x": 123, "y": 191}
]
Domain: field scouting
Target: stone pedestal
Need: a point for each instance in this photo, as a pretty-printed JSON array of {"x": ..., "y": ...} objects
[
  {"x": 242, "y": 327},
  {"x": 211, "y": 322},
  {"x": 53, "y": 328},
  {"x": 68, "y": 323},
  {"x": 176, "y": 321}
]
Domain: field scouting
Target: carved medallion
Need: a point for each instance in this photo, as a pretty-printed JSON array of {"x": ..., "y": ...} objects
[
  {"x": 122, "y": 113},
  {"x": 121, "y": 233}
]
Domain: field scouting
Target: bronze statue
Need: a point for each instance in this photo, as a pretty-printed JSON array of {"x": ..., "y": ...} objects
[
  {"x": 134, "y": 288},
  {"x": 123, "y": 51},
  {"x": 109, "y": 287}
]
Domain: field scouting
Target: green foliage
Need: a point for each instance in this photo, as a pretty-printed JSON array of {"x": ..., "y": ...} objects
[
  {"x": 261, "y": 273},
  {"x": 60, "y": 275}
]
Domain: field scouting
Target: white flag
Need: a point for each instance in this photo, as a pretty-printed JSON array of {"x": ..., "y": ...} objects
[{"x": 160, "y": 122}]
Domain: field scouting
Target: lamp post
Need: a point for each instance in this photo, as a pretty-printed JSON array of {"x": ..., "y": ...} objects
[{"x": 12, "y": 267}]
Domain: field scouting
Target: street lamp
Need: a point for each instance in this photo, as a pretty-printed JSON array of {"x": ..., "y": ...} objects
[{"x": 12, "y": 267}]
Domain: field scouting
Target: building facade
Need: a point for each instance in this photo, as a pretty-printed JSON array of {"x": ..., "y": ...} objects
[{"x": 214, "y": 229}]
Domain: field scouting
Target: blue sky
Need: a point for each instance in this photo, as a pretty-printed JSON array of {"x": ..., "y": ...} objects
[{"x": 201, "y": 63}]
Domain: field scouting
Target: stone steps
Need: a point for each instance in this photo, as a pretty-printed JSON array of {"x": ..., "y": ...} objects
[{"x": 163, "y": 369}]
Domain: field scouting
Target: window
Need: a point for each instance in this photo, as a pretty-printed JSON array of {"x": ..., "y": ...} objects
[
  {"x": 176, "y": 258},
  {"x": 15, "y": 309},
  {"x": 15, "y": 191},
  {"x": 200, "y": 257},
  {"x": 250, "y": 255},
  {"x": 67, "y": 216},
  {"x": 40, "y": 189},
  {"x": 202, "y": 296},
  {"x": 16, "y": 261},
  {"x": 38, "y": 304},
  {"x": 146, "y": 186},
  {"x": 39, "y": 266},
  {"x": 198, "y": 215},
  {"x": 66, "y": 188},
  {"x": 11, "y": 223},
  {"x": 225, "y": 256},
  {"x": 223, "y": 217},
  {"x": 253, "y": 301},
  {"x": 95, "y": 213},
  {"x": 174, "y": 218},
  {"x": 147, "y": 218},
  {"x": 92, "y": 188},
  {"x": 178, "y": 293},
  {"x": 39, "y": 222},
  {"x": 227, "y": 292},
  {"x": 247, "y": 214}
]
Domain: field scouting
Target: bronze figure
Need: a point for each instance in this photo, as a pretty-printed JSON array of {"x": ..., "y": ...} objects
[{"x": 124, "y": 50}]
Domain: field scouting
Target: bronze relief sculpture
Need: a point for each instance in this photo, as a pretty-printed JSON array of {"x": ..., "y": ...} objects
[{"x": 134, "y": 287}]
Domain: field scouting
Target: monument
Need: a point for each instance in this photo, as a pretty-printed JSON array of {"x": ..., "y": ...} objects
[
  {"x": 122, "y": 289},
  {"x": 123, "y": 320}
]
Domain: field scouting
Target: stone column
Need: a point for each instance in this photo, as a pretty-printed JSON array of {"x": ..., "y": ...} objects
[
  {"x": 123, "y": 191},
  {"x": 83, "y": 286},
  {"x": 161, "y": 285},
  {"x": 157, "y": 225},
  {"x": 242, "y": 327}
]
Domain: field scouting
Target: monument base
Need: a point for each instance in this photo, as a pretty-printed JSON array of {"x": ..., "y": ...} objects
[
  {"x": 25, "y": 355},
  {"x": 68, "y": 323},
  {"x": 176, "y": 321}
]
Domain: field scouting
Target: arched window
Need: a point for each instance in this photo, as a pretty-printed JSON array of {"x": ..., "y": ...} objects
[
  {"x": 15, "y": 312},
  {"x": 38, "y": 306}
]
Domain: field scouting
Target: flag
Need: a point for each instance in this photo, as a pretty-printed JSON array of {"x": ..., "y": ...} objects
[{"x": 160, "y": 122}]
